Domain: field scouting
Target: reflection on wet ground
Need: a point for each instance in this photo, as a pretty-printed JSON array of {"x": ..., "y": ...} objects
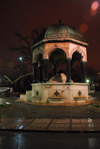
[
  {"x": 44, "y": 140},
  {"x": 80, "y": 125}
]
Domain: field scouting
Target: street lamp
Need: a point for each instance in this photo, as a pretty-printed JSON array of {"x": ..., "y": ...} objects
[
  {"x": 20, "y": 65},
  {"x": 20, "y": 58},
  {"x": 87, "y": 80}
]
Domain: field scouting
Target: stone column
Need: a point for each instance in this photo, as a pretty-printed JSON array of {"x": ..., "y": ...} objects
[
  {"x": 68, "y": 70},
  {"x": 45, "y": 70},
  {"x": 83, "y": 71},
  {"x": 54, "y": 69},
  {"x": 40, "y": 73},
  {"x": 35, "y": 72}
]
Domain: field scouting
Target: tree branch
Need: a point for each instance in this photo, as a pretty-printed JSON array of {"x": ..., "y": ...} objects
[
  {"x": 20, "y": 48},
  {"x": 26, "y": 40},
  {"x": 17, "y": 78}
]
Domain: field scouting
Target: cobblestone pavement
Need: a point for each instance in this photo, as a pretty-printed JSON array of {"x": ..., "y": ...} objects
[{"x": 25, "y": 116}]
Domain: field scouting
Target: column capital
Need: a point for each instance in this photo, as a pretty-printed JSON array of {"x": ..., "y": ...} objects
[
  {"x": 68, "y": 59},
  {"x": 84, "y": 62},
  {"x": 45, "y": 60},
  {"x": 35, "y": 64}
]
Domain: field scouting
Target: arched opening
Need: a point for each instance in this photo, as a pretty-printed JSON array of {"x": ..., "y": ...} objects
[
  {"x": 57, "y": 61},
  {"x": 76, "y": 67}
]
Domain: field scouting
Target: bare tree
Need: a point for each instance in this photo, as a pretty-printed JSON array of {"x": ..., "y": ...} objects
[
  {"x": 13, "y": 72},
  {"x": 26, "y": 48},
  {"x": 26, "y": 51}
]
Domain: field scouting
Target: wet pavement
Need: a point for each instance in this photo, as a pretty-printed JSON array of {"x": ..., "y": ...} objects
[
  {"x": 29, "y": 116},
  {"x": 66, "y": 125},
  {"x": 48, "y": 140},
  {"x": 27, "y": 125}
]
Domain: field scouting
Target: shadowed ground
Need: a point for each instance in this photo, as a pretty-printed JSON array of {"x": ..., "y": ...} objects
[{"x": 26, "y": 110}]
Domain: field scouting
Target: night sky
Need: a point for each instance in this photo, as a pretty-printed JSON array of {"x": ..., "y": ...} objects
[{"x": 24, "y": 15}]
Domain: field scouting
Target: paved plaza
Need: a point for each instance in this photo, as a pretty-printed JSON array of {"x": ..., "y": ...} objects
[
  {"x": 32, "y": 117},
  {"x": 80, "y": 125},
  {"x": 27, "y": 125}
]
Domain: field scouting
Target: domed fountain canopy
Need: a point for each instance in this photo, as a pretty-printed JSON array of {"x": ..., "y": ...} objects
[{"x": 60, "y": 32}]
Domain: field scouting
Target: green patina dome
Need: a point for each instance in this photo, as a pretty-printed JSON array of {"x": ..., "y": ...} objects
[{"x": 60, "y": 32}]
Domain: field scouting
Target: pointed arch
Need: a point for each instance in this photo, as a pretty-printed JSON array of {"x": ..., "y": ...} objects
[
  {"x": 84, "y": 56},
  {"x": 52, "y": 48},
  {"x": 36, "y": 54}
]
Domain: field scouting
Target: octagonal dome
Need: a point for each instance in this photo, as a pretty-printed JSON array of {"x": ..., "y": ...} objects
[{"x": 60, "y": 32}]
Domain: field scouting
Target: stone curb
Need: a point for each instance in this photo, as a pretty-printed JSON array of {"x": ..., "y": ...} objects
[{"x": 51, "y": 131}]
